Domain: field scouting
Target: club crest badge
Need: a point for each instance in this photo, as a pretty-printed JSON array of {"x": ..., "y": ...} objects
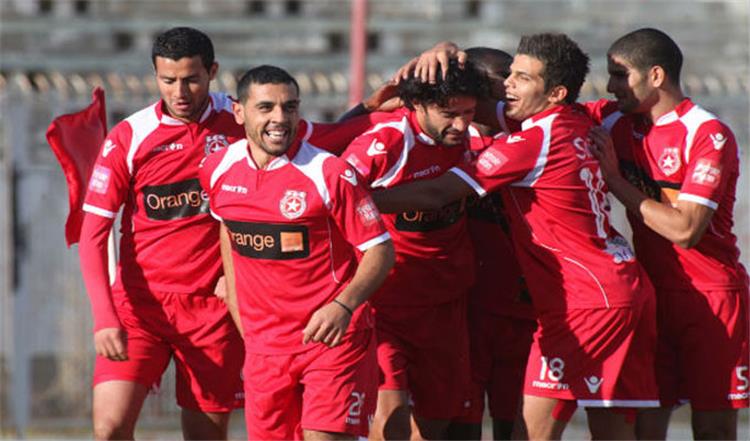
[
  {"x": 669, "y": 161},
  {"x": 293, "y": 204},
  {"x": 214, "y": 143}
]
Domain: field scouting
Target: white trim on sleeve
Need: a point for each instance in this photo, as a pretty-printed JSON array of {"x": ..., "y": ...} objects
[
  {"x": 375, "y": 241},
  {"x": 215, "y": 216},
  {"x": 88, "y": 208},
  {"x": 618, "y": 403},
  {"x": 698, "y": 200},
  {"x": 469, "y": 180}
]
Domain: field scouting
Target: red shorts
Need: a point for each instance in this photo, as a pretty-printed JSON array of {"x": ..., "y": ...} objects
[
  {"x": 499, "y": 351},
  {"x": 599, "y": 357},
  {"x": 322, "y": 389},
  {"x": 702, "y": 353},
  {"x": 194, "y": 329},
  {"x": 425, "y": 350}
]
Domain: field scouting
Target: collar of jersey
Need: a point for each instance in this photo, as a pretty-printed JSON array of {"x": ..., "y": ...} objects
[
  {"x": 277, "y": 162},
  {"x": 675, "y": 114},
  {"x": 164, "y": 118},
  {"x": 530, "y": 121}
]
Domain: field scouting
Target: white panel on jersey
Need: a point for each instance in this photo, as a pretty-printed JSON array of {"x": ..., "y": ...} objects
[
  {"x": 541, "y": 161},
  {"x": 500, "y": 114},
  {"x": 693, "y": 120},
  {"x": 611, "y": 120},
  {"x": 142, "y": 124},
  {"x": 235, "y": 153},
  {"x": 469, "y": 180},
  {"x": 309, "y": 160},
  {"x": 402, "y": 126}
]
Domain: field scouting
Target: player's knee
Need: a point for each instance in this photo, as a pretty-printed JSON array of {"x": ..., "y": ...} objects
[{"x": 110, "y": 429}]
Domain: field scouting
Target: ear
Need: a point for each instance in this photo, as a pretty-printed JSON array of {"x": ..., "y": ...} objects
[
  {"x": 239, "y": 112},
  {"x": 212, "y": 71},
  {"x": 657, "y": 76},
  {"x": 557, "y": 95}
]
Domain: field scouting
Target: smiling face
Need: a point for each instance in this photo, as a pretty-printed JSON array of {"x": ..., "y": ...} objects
[
  {"x": 632, "y": 88},
  {"x": 524, "y": 89},
  {"x": 270, "y": 115},
  {"x": 184, "y": 85},
  {"x": 448, "y": 124}
]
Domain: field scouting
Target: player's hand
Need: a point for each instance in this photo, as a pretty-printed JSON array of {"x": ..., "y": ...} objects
[
  {"x": 221, "y": 289},
  {"x": 111, "y": 343},
  {"x": 603, "y": 149},
  {"x": 384, "y": 98},
  {"x": 327, "y": 325},
  {"x": 426, "y": 65}
]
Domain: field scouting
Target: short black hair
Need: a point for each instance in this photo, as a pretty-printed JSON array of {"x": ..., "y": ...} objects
[
  {"x": 264, "y": 74},
  {"x": 490, "y": 60},
  {"x": 457, "y": 82},
  {"x": 180, "y": 42},
  {"x": 565, "y": 64},
  {"x": 648, "y": 47}
]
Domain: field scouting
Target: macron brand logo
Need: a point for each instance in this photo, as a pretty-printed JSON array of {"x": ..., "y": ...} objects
[
  {"x": 376, "y": 148},
  {"x": 350, "y": 177},
  {"x": 593, "y": 383},
  {"x": 234, "y": 188},
  {"x": 108, "y": 147},
  {"x": 514, "y": 138},
  {"x": 719, "y": 140}
]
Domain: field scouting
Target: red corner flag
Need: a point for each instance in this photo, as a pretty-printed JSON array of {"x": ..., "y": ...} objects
[{"x": 75, "y": 139}]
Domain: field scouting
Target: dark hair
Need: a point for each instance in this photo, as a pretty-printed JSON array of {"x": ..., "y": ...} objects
[
  {"x": 490, "y": 60},
  {"x": 457, "y": 82},
  {"x": 183, "y": 42},
  {"x": 565, "y": 64},
  {"x": 264, "y": 74},
  {"x": 648, "y": 47}
]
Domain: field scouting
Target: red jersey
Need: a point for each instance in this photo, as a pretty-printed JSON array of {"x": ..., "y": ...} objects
[
  {"x": 150, "y": 162},
  {"x": 294, "y": 226},
  {"x": 434, "y": 257},
  {"x": 687, "y": 154},
  {"x": 570, "y": 255},
  {"x": 489, "y": 229}
]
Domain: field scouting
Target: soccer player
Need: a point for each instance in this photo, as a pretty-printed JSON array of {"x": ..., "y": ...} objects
[
  {"x": 421, "y": 308},
  {"x": 595, "y": 306},
  {"x": 677, "y": 175},
  {"x": 295, "y": 218},
  {"x": 170, "y": 259},
  {"x": 500, "y": 315},
  {"x": 161, "y": 305}
]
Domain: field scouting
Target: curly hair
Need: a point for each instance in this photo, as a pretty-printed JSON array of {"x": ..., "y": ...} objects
[
  {"x": 468, "y": 81},
  {"x": 565, "y": 64}
]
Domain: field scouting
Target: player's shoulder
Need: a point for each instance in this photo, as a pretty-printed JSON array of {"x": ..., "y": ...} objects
[
  {"x": 221, "y": 160},
  {"x": 142, "y": 121},
  {"x": 696, "y": 118},
  {"x": 604, "y": 112},
  {"x": 390, "y": 130}
]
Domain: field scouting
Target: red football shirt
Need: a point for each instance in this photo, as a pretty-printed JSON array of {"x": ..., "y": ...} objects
[
  {"x": 434, "y": 257},
  {"x": 688, "y": 154},
  {"x": 570, "y": 255},
  {"x": 294, "y": 227}
]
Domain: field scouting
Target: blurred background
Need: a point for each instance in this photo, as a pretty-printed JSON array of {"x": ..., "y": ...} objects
[{"x": 54, "y": 52}]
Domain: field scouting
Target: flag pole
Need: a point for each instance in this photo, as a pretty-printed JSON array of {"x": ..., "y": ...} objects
[{"x": 357, "y": 51}]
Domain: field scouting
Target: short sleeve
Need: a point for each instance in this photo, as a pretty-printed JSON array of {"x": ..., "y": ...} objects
[
  {"x": 110, "y": 179},
  {"x": 351, "y": 206},
  {"x": 711, "y": 159},
  {"x": 509, "y": 159}
]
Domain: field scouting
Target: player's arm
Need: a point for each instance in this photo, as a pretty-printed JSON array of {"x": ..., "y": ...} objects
[
  {"x": 329, "y": 323},
  {"x": 383, "y": 99},
  {"x": 682, "y": 223},
  {"x": 231, "y": 287},
  {"x": 109, "y": 338},
  {"x": 426, "y": 65},
  {"x": 428, "y": 194}
]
